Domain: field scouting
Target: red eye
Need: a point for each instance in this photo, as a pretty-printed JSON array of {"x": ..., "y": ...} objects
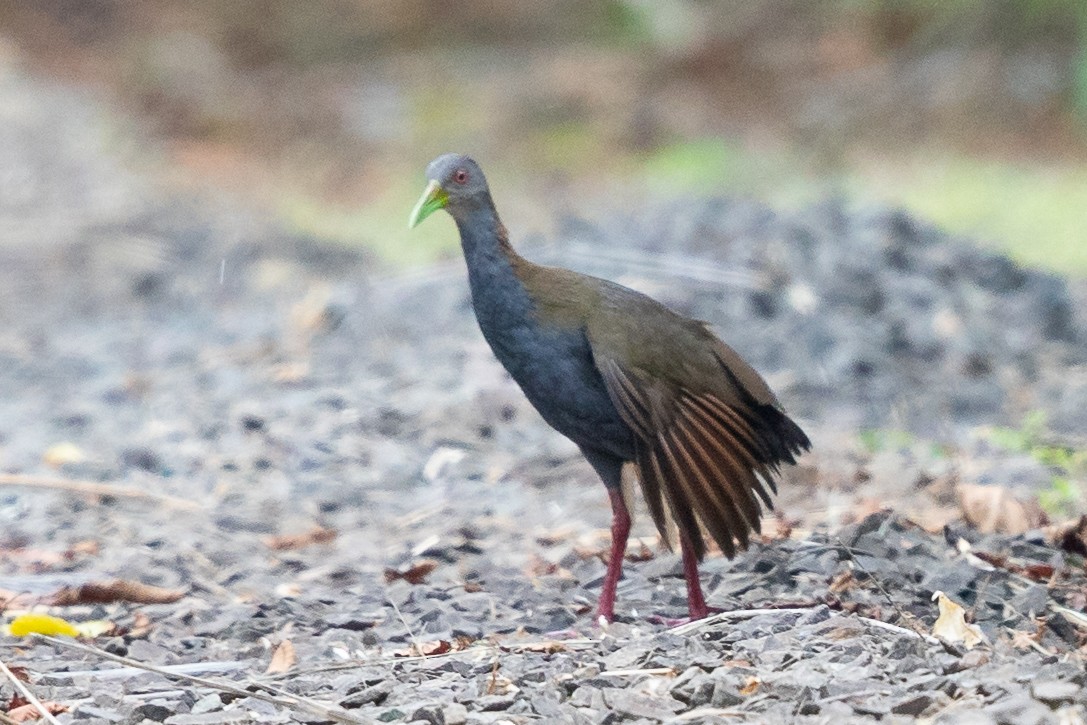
[{"x": 460, "y": 176}]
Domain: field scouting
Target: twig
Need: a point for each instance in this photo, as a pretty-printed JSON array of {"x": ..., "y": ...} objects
[
  {"x": 492, "y": 682},
  {"x": 414, "y": 642},
  {"x": 900, "y": 630},
  {"x": 1076, "y": 618},
  {"x": 698, "y": 624},
  {"x": 635, "y": 672},
  {"x": 93, "y": 488},
  {"x": 708, "y": 712},
  {"x": 26, "y": 693},
  {"x": 140, "y": 695},
  {"x": 879, "y": 585},
  {"x": 1034, "y": 644},
  {"x": 292, "y": 702},
  {"x": 750, "y": 613},
  {"x": 187, "y": 668},
  {"x": 479, "y": 650},
  {"x": 848, "y": 695}
]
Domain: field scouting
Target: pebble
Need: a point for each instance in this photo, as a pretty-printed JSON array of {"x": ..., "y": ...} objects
[
  {"x": 1020, "y": 709},
  {"x": 1054, "y": 693},
  {"x": 637, "y": 704},
  {"x": 913, "y": 706},
  {"x": 455, "y": 714},
  {"x": 431, "y": 714}
]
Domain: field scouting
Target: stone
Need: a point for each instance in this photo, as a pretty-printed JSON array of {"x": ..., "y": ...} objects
[
  {"x": 912, "y": 706},
  {"x": 637, "y": 704},
  {"x": 373, "y": 695},
  {"x": 1031, "y": 602},
  {"x": 725, "y": 694},
  {"x": 495, "y": 703},
  {"x": 432, "y": 714},
  {"x": 967, "y": 717},
  {"x": 207, "y": 703},
  {"x": 1019, "y": 709},
  {"x": 1054, "y": 692},
  {"x": 455, "y": 714},
  {"x": 87, "y": 711},
  {"x": 148, "y": 711}
]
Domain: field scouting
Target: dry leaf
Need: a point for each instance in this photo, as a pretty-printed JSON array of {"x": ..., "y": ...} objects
[
  {"x": 538, "y": 566},
  {"x": 19, "y": 673},
  {"x": 428, "y": 649},
  {"x": 31, "y": 712},
  {"x": 316, "y": 535},
  {"x": 548, "y": 648},
  {"x": 557, "y": 536},
  {"x": 500, "y": 685},
  {"x": 951, "y": 625},
  {"x": 141, "y": 626},
  {"x": 777, "y": 528},
  {"x": 95, "y": 628},
  {"x": 118, "y": 590},
  {"x": 1037, "y": 572},
  {"x": 283, "y": 659},
  {"x": 644, "y": 553},
  {"x": 842, "y": 582},
  {"x": 288, "y": 590},
  {"x": 416, "y": 573},
  {"x": 15, "y": 600},
  {"x": 736, "y": 663},
  {"x": 1071, "y": 536},
  {"x": 86, "y": 547},
  {"x": 751, "y": 686},
  {"x": 993, "y": 509},
  {"x": 290, "y": 373},
  {"x": 313, "y": 313},
  {"x": 62, "y": 454},
  {"x": 1024, "y": 640},
  {"x": 435, "y": 647},
  {"x": 591, "y": 552}
]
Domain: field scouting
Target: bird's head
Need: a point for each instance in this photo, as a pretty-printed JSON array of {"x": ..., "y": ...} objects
[{"x": 454, "y": 183}]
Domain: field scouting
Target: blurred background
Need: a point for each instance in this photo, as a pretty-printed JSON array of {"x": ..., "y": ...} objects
[{"x": 971, "y": 114}]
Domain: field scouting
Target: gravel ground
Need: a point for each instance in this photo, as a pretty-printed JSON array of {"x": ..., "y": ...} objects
[{"x": 269, "y": 384}]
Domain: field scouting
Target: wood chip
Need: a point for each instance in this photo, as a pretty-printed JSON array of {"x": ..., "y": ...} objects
[{"x": 283, "y": 659}]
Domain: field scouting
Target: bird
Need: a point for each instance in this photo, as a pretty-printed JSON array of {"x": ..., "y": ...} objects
[{"x": 630, "y": 382}]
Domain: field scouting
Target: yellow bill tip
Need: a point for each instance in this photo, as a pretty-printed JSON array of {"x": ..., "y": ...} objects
[{"x": 433, "y": 199}]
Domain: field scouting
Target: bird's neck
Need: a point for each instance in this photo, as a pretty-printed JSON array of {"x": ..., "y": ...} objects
[{"x": 495, "y": 271}]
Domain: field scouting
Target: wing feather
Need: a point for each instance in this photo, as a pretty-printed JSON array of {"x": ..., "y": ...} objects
[
  {"x": 704, "y": 460},
  {"x": 738, "y": 480}
]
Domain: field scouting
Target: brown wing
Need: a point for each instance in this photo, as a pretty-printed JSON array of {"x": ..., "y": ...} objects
[{"x": 703, "y": 459}]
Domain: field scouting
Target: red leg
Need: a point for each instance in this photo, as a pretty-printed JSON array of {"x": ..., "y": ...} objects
[
  {"x": 696, "y": 603},
  {"x": 620, "y": 530}
]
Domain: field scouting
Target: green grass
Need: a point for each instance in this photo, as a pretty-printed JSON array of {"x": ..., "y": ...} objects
[
  {"x": 1065, "y": 495},
  {"x": 381, "y": 227},
  {"x": 1037, "y": 214},
  {"x": 876, "y": 440}
]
